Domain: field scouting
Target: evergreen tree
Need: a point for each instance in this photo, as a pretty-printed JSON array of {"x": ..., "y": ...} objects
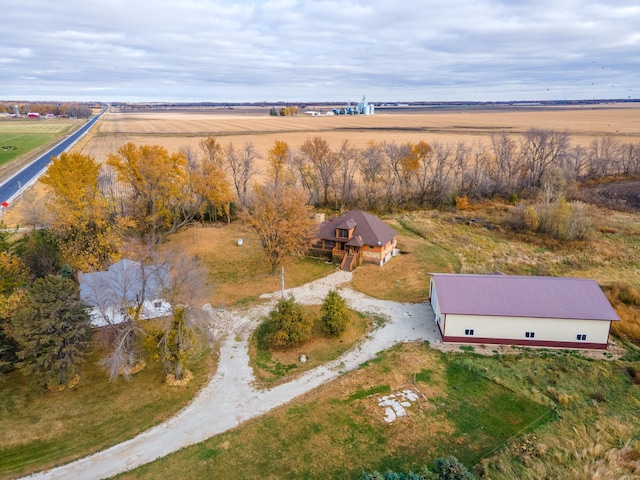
[
  {"x": 335, "y": 314},
  {"x": 287, "y": 326},
  {"x": 450, "y": 468},
  {"x": 51, "y": 328},
  {"x": 14, "y": 277}
]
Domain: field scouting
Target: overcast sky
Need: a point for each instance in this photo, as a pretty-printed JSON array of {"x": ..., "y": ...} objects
[{"x": 314, "y": 50}]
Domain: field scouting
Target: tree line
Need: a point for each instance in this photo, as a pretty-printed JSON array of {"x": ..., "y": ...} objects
[
  {"x": 389, "y": 175},
  {"x": 70, "y": 109}
]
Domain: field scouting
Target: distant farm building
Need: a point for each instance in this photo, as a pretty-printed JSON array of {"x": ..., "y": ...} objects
[
  {"x": 362, "y": 108},
  {"x": 354, "y": 238},
  {"x": 519, "y": 310}
]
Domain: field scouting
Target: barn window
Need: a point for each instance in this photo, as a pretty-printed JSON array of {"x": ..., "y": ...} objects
[
  {"x": 468, "y": 331},
  {"x": 581, "y": 336},
  {"x": 530, "y": 334}
]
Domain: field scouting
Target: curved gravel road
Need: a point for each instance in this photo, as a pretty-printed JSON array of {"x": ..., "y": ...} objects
[{"x": 230, "y": 399}]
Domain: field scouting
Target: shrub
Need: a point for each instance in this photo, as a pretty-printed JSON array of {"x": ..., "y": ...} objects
[
  {"x": 424, "y": 474},
  {"x": 450, "y": 468},
  {"x": 462, "y": 203},
  {"x": 335, "y": 314},
  {"x": 565, "y": 221},
  {"x": 531, "y": 218},
  {"x": 286, "y": 326}
]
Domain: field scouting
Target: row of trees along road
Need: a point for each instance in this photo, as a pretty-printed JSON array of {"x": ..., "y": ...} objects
[{"x": 70, "y": 109}]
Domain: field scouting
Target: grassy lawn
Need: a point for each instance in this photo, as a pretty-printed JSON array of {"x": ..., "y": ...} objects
[
  {"x": 272, "y": 367},
  {"x": 336, "y": 431},
  {"x": 597, "y": 432},
  {"x": 23, "y": 143},
  {"x": 405, "y": 278},
  {"x": 239, "y": 274},
  {"x": 41, "y": 430},
  {"x": 28, "y": 135}
]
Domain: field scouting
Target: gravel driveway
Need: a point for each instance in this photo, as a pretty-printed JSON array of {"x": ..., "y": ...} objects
[{"x": 230, "y": 399}]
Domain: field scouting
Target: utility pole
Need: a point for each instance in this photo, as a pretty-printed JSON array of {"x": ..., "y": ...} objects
[{"x": 282, "y": 283}]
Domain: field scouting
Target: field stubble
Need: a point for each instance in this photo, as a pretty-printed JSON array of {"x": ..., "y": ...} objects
[{"x": 174, "y": 130}]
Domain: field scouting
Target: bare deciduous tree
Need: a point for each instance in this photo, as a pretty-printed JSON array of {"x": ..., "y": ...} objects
[
  {"x": 372, "y": 170},
  {"x": 317, "y": 152},
  {"x": 541, "y": 149},
  {"x": 604, "y": 157},
  {"x": 348, "y": 157},
  {"x": 507, "y": 162},
  {"x": 241, "y": 164}
]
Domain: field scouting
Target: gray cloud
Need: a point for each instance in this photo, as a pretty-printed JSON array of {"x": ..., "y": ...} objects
[{"x": 305, "y": 50}]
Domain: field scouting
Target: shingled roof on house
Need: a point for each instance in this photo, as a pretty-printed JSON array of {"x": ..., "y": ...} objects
[
  {"x": 522, "y": 296},
  {"x": 368, "y": 228}
]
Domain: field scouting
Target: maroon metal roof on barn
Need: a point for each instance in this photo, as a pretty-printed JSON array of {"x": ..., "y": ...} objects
[
  {"x": 521, "y": 296},
  {"x": 370, "y": 229}
]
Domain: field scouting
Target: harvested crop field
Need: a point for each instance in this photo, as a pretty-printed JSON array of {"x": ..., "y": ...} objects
[{"x": 177, "y": 129}]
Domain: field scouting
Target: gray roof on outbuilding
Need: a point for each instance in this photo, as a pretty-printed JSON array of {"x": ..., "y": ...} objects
[
  {"x": 522, "y": 296},
  {"x": 124, "y": 282},
  {"x": 369, "y": 228}
]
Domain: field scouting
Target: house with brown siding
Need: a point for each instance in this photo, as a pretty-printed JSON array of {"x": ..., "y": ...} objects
[
  {"x": 354, "y": 238},
  {"x": 519, "y": 310}
]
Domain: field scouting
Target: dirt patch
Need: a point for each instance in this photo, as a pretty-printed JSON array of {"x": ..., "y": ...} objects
[{"x": 623, "y": 195}]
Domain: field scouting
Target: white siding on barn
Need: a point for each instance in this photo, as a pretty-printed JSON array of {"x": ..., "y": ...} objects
[
  {"x": 436, "y": 308},
  {"x": 514, "y": 328}
]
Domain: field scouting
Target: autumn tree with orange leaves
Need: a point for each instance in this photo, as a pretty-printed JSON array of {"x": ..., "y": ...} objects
[
  {"x": 161, "y": 199},
  {"x": 281, "y": 219},
  {"x": 209, "y": 181},
  {"x": 88, "y": 238}
]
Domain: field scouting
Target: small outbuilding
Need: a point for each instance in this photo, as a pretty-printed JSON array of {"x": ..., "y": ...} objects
[
  {"x": 519, "y": 310},
  {"x": 126, "y": 285}
]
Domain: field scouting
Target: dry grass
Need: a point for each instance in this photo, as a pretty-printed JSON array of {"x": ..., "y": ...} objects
[
  {"x": 486, "y": 245},
  {"x": 240, "y": 274},
  {"x": 626, "y": 301},
  {"x": 405, "y": 278}
]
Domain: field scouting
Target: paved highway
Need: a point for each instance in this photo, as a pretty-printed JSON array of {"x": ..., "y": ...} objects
[{"x": 11, "y": 188}]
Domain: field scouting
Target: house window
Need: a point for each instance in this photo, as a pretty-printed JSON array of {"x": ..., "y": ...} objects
[
  {"x": 157, "y": 304},
  {"x": 581, "y": 336},
  {"x": 329, "y": 244},
  {"x": 343, "y": 233},
  {"x": 530, "y": 334},
  {"x": 468, "y": 331}
]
